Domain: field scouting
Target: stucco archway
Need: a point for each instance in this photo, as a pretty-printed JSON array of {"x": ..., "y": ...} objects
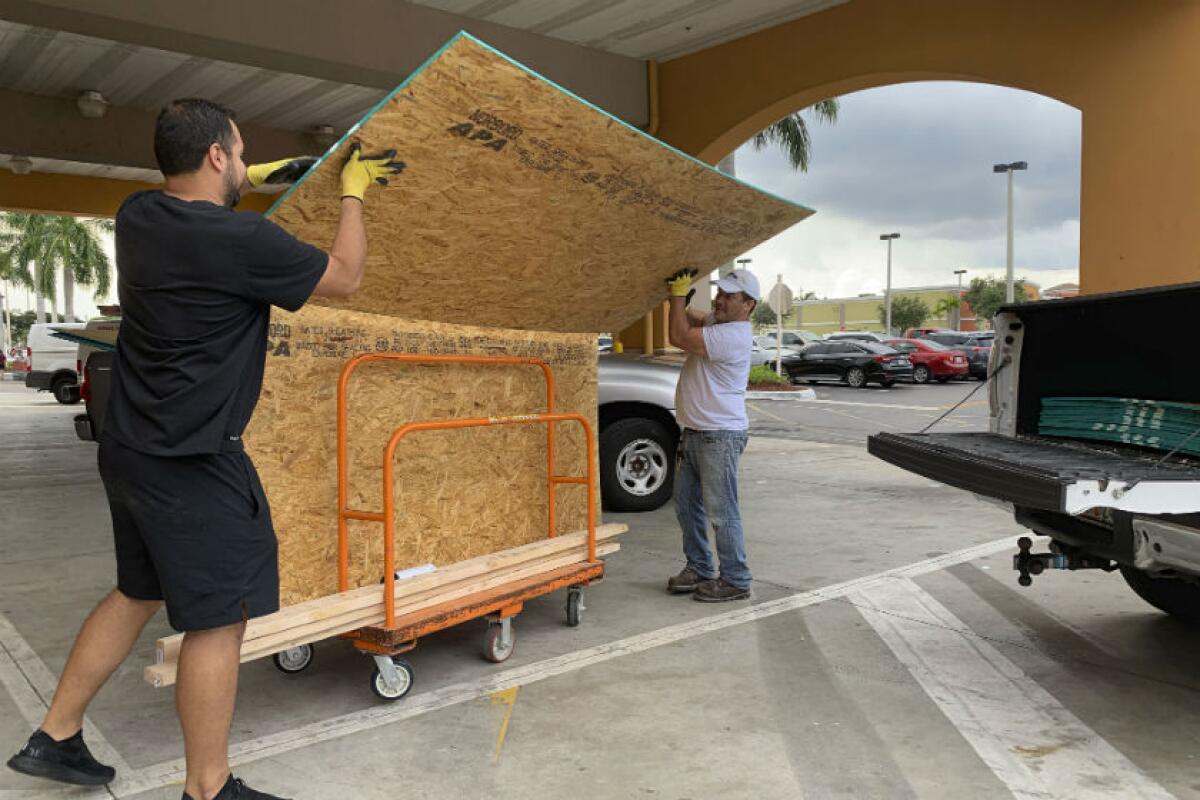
[{"x": 1129, "y": 67}]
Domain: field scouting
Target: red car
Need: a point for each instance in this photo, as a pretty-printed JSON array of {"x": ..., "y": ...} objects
[{"x": 931, "y": 360}]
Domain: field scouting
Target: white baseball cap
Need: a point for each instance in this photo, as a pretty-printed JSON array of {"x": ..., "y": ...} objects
[{"x": 740, "y": 280}]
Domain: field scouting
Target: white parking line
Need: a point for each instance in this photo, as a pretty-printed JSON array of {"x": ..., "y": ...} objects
[
  {"x": 1030, "y": 741},
  {"x": 874, "y": 405},
  {"x": 170, "y": 772}
]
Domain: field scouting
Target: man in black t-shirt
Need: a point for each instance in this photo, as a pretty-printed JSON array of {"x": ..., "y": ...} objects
[{"x": 191, "y": 524}]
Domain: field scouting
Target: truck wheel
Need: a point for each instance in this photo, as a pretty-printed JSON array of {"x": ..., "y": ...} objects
[
  {"x": 1178, "y": 598},
  {"x": 65, "y": 390},
  {"x": 637, "y": 464}
]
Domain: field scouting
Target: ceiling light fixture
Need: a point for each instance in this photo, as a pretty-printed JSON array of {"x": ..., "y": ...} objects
[
  {"x": 91, "y": 104},
  {"x": 323, "y": 135},
  {"x": 20, "y": 165}
]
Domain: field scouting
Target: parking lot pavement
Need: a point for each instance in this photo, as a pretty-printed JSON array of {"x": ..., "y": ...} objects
[
  {"x": 841, "y": 415},
  {"x": 887, "y": 653}
]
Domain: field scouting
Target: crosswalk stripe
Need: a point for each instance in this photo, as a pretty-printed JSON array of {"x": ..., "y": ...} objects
[{"x": 1032, "y": 743}]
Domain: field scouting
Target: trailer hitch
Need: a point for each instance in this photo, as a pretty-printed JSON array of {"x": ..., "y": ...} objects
[{"x": 1059, "y": 557}]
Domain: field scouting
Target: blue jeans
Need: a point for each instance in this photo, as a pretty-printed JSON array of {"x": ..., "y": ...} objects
[{"x": 706, "y": 492}]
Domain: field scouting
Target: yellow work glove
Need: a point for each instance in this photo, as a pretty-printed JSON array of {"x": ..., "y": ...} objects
[
  {"x": 285, "y": 170},
  {"x": 361, "y": 170},
  {"x": 680, "y": 284}
]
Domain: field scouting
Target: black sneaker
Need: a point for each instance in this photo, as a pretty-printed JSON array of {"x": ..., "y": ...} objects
[
  {"x": 719, "y": 591},
  {"x": 68, "y": 761},
  {"x": 686, "y": 581},
  {"x": 236, "y": 789}
]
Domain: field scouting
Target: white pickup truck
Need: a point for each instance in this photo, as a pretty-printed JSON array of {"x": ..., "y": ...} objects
[{"x": 1126, "y": 503}]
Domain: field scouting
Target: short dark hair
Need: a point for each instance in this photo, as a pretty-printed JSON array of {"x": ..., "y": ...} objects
[{"x": 184, "y": 131}]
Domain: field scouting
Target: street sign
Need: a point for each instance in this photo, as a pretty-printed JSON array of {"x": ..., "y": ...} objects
[{"x": 780, "y": 299}]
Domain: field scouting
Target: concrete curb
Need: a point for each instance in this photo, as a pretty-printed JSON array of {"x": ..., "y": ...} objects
[{"x": 803, "y": 394}]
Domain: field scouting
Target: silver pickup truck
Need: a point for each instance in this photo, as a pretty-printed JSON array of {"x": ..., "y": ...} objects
[
  {"x": 638, "y": 432},
  {"x": 1114, "y": 497}
]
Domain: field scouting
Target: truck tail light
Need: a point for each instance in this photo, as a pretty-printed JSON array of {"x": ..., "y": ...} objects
[{"x": 85, "y": 388}]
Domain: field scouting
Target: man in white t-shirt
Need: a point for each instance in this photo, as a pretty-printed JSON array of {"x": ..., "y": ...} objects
[{"x": 710, "y": 404}]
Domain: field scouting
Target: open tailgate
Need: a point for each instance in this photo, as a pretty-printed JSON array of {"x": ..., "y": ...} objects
[{"x": 1047, "y": 474}]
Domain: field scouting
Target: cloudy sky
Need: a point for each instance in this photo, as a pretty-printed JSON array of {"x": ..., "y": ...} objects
[{"x": 917, "y": 159}]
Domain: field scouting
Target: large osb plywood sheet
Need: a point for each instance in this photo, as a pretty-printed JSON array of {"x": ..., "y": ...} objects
[
  {"x": 523, "y": 206},
  {"x": 458, "y": 494}
]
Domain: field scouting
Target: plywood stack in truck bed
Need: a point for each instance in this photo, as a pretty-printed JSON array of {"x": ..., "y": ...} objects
[{"x": 527, "y": 221}]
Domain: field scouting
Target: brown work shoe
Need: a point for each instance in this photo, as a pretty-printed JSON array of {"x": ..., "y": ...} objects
[
  {"x": 685, "y": 582},
  {"x": 719, "y": 591}
]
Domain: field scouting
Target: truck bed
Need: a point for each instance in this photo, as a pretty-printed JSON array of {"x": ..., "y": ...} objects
[{"x": 1049, "y": 474}]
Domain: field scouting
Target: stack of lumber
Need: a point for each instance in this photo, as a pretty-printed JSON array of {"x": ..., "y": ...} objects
[
  {"x": 1157, "y": 424},
  {"x": 335, "y": 614}
]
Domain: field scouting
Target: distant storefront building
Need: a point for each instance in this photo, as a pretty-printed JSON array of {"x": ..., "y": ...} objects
[{"x": 861, "y": 313}]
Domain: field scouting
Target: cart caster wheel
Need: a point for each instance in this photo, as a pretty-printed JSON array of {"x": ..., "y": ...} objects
[
  {"x": 391, "y": 693},
  {"x": 497, "y": 646},
  {"x": 294, "y": 660},
  {"x": 1025, "y": 580},
  {"x": 575, "y": 606}
]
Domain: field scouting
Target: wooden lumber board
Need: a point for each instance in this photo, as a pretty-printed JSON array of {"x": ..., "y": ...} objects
[
  {"x": 164, "y": 673},
  {"x": 354, "y": 601},
  {"x": 523, "y": 206},
  {"x": 488, "y": 481},
  {"x": 301, "y": 631}
]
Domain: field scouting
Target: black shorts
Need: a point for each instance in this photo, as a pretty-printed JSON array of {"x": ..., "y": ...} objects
[{"x": 194, "y": 531}]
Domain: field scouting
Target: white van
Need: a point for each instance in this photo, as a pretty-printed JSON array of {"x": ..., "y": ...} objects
[{"x": 52, "y": 362}]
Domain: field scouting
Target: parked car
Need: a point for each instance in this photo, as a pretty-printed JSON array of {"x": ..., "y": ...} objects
[
  {"x": 922, "y": 333},
  {"x": 857, "y": 336},
  {"x": 977, "y": 346},
  {"x": 792, "y": 339},
  {"x": 931, "y": 360},
  {"x": 852, "y": 362},
  {"x": 764, "y": 351},
  {"x": 638, "y": 432},
  {"x": 52, "y": 362}
]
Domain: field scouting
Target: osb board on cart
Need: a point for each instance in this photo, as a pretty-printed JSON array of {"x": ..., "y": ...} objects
[
  {"x": 523, "y": 206},
  {"x": 458, "y": 494}
]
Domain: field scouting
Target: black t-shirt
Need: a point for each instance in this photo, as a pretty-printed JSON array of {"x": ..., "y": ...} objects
[{"x": 196, "y": 282}]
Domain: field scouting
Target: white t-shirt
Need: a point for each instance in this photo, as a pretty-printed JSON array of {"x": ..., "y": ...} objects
[{"x": 711, "y": 395}]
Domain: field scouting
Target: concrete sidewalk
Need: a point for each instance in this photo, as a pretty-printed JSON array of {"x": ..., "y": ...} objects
[{"x": 803, "y": 692}]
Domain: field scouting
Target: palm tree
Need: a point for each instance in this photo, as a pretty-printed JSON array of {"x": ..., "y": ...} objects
[
  {"x": 49, "y": 243},
  {"x": 791, "y": 133},
  {"x": 945, "y": 307}
]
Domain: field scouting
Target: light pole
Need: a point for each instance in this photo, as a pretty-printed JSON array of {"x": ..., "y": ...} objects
[
  {"x": 742, "y": 262},
  {"x": 1010, "y": 169},
  {"x": 958, "y": 308},
  {"x": 887, "y": 294}
]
